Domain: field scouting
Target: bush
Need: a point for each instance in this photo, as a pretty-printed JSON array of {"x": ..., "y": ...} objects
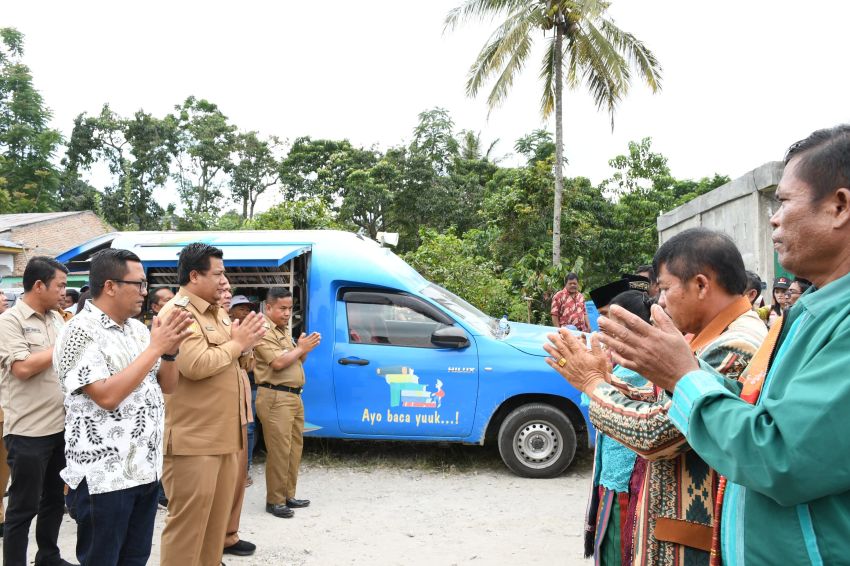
[{"x": 451, "y": 262}]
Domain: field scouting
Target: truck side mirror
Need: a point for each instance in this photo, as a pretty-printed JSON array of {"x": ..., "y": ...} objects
[{"x": 450, "y": 337}]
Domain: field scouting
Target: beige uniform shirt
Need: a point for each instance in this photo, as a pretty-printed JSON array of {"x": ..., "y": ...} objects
[
  {"x": 205, "y": 413},
  {"x": 33, "y": 407},
  {"x": 276, "y": 342}
]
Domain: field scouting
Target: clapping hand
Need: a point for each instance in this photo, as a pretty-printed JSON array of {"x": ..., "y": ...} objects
[
  {"x": 169, "y": 332},
  {"x": 307, "y": 342},
  {"x": 570, "y": 357},
  {"x": 249, "y": 331},
  {"x": 657, "y": 352}
]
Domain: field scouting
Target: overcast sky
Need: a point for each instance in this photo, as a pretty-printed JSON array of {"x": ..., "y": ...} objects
[{"x": 743, "y": 79}]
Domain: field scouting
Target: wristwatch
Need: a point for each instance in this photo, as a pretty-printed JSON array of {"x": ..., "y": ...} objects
[{"x": 170, "y": 357}]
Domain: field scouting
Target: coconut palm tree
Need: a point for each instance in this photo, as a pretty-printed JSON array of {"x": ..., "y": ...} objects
[{"x": 585, "y": 47}]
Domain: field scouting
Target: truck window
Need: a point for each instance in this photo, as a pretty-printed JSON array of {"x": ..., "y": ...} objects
[{"x": 390, "y": 325}]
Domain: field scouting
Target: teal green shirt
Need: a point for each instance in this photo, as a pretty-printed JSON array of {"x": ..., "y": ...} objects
[{"x": 787, "y": 458}]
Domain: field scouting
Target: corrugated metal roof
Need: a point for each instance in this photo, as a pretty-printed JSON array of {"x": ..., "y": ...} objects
[{"x": 8, "y": 221}]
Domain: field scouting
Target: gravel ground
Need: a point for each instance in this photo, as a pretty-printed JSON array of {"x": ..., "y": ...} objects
[{"x": 411, "y": 505}]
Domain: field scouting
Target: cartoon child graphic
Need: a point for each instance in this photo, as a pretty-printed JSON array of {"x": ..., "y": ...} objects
[{"x": 439, "y": 393}]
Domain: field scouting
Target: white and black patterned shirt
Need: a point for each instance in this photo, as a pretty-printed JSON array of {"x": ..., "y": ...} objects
[{"x": 111, "y": 450}]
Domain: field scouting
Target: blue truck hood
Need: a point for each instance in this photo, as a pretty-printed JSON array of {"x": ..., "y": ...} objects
[{"x": 528, "y": 338}]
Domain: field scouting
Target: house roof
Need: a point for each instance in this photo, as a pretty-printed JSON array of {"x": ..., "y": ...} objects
[
  {"x": 10, "y": 244},
  {"x": 8, "y": 221}
]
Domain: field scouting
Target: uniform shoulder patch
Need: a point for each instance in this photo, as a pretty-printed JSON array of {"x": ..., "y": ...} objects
[
  {"x": 182, "y": 301},
  {"x": 266, "y": 325}
]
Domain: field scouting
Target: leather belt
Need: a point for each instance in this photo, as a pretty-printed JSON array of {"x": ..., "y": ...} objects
[{"x": 288, "y": 389}]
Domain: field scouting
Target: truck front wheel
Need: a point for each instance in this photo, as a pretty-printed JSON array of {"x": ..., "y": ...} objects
[{"x": 537, "y": 441}]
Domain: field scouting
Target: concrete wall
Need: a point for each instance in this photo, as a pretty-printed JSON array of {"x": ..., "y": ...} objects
[{"x": 740, "y": 208}]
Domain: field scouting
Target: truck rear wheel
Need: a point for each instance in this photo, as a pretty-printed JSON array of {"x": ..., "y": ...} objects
[{"x": 537, "y": 441}]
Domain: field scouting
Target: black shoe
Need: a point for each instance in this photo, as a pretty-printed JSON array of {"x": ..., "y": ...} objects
[
  {"x": 62, "y": 562},
  {"x": 297, "y": 503},
  {"x": 241, "y": 548},
  {"x": 279, "y": 510}
]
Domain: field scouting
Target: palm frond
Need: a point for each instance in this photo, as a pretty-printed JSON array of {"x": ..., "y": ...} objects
[
  {"x": 637, "y": 52},
  {"x": 479, "y": 9},
  {"x": 602, "y": 69},
  {"x": 518, "y": 55},
  {"x": 510, "y": 42},
  {"x": 547, "y": 76}
]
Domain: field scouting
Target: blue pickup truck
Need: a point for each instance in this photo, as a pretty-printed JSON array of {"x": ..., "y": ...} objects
[{"x": 401, "y": 358}]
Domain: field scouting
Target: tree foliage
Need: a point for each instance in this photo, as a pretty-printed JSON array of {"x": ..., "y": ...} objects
[
  {"x": 585, "y": 48},
  {"x": 451, "y": 262},
  {"x": 28, "y": 178},
  {"x": 480, "y": 228}
]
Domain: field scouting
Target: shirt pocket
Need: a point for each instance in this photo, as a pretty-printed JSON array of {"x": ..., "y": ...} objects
[
  {"x": 215, "y": 337},
  {"x": 36, "y": 341}
]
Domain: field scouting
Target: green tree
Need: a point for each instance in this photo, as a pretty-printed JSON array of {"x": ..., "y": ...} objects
[
  {"x": 584, "y": 42},
  {"x": 641, "y": 188},
  {"x": 320, "y": 168},
  {"x": 28, "y": 178},
  {"x": 204, "y": 144},
  {"x": 309, "y": 214},
  {"x": 536, "y": 146},
  {"x": 256, "y": 170},
  {"x": 449, "y": 261},
  {"x": 367, "y": 197},
  {"x": 137, "y": 151}
]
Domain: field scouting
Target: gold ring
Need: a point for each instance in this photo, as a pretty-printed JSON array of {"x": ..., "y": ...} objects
[{"x": 562, "y": 362}]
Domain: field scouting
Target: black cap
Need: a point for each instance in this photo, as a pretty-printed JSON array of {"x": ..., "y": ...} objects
[
  {"x": 602, "y": 296},
  {"x": 781, "y": 283}
]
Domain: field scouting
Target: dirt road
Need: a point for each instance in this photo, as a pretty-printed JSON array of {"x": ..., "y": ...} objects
[{"x": 459, "y": 509}]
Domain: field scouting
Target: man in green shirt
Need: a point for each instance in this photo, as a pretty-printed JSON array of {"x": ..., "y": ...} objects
[{"x": 782, "y": 437}]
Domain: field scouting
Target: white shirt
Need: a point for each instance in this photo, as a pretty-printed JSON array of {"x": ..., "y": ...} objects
[{"x": 111, "y": 450}]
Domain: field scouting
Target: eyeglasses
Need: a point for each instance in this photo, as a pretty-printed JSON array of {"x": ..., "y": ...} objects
[
  {"x": 142, "y": 285},
  {"x": 790, "y": 292}
]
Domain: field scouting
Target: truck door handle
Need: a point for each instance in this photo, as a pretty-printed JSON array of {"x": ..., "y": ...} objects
[{"x": 353, "y": 362}]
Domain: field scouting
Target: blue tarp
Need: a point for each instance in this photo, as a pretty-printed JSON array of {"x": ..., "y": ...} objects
[{"x": 162, "y": 249}]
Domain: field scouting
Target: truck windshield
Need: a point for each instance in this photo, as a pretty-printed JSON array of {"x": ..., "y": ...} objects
[{"x": 461, "y": 309}]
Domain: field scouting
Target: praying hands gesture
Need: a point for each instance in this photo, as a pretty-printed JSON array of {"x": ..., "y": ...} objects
[
  {"x": 583, "y": 368},
  {"x": 657, "y": 352}
]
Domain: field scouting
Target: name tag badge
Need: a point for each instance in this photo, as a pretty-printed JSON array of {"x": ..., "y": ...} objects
[
  {"x": 30, "y": 329},
  {"x": 210, "y": 328},
  {"x": 225, "y": 321}
]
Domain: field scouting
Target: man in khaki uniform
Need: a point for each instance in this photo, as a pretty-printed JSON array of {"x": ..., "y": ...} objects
[
  {"x": 203, "y": 431},
  {"x": 279, "y": 375},
  {"x": 34, "y": 414}
]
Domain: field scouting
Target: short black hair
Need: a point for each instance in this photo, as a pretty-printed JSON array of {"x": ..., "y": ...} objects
[
  {"x": 700, "y": 250},
  {"x": 570, "y": 276},
  {"x": 75, "y": 295},
  {"x": 41, "y": 268},
  {"x": 195, "y": 257},
  {"x": 804, "y": 284},
  {"x": 84, "y": 296},
  {"x": 108, "y": 265},
  {"x": 276, "y": 293},
  {"x": 154, "y": 295},
  {"x": 753, "y": 281},
  {"x": 824, "y": 160},
  {"x": 636, "y": 302},
  {"x": 646, "y": 268}
]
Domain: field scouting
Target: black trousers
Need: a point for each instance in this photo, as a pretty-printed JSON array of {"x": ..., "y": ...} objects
[{"x": 36, "y": 491}]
